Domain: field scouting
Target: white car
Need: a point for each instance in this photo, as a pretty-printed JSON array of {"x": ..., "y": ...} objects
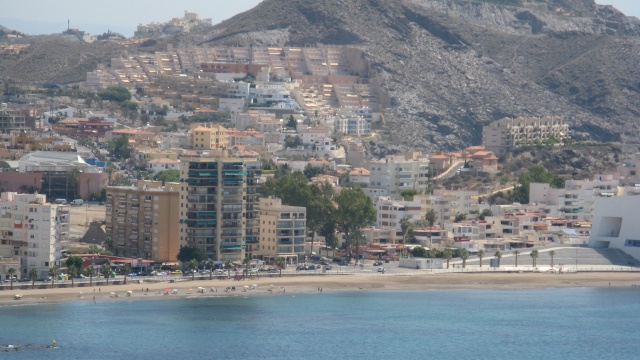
[{"x": 381, "y": 269}]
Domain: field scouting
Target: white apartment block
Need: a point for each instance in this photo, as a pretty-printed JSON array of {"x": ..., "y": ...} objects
[
  {"x": 576, "y": 200},
  {"x": 506, "y": 133},
  {"x": 353, "y": 125},
  {"x": 391, "y": 212},
  {"x": 29, "y": 219},
  {"x": 396, "y": 173},
  {"x": 449, "y": 203}
]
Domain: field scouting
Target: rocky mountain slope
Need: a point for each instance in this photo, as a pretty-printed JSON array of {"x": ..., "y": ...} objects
[
  {"x": 449, "y": 66},
  {"x": 56, "y": 59},
  {"x": 452, "y": 66}
]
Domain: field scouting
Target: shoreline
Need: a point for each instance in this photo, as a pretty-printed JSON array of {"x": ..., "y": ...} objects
[{"x": 328, "y": 283}]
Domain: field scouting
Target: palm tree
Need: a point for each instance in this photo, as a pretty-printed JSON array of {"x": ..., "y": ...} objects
[
  {"x": 431, "y": 217},
  {"x": 91, "y": 271},
  {"x": 552, "y": 253},
  {"x": 281, "y": 263},
  {"x": 480, "y": 256},
  {"x": 447, "y": 254},
  {"x": 53, "y": 272},
  {"x": 11, "y": 272},
  {"x": 125, "y": 269},
  {"x": 516, "y": 253},
  {"x": 246, "y": 262},
  {"x": 73, "y": 272},
  {"x": 464, "y": 255},
  {"x": 33, "y": 275},
  {"x": 209, "y": 264},
  {"x": 534, "y": 255},
  {"x": 106, "y": 272},
  {"x": 193, "y": 266},
  {"x": 498, "y": 255},
  {"x": 228, "y": 265}
]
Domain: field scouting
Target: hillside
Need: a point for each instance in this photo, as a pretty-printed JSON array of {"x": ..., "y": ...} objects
[
  {"x": 449, "y": 66},
  {"x": 452, "y": 66}
]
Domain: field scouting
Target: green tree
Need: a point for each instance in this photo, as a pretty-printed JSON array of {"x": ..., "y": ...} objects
[
  {"x": 168, "y": 176},
  {"x": 11, "y": 272},
  {"x": 193, "y": 266},
  {"x": 516, "y": 253},
  {"x": 534, "y": 256},
  {"x": 460, "y": 217},
  {"x": 355, "y": 211},
  {"x": 53, "y": 273},
  {"x": 480, "y": 256},
  {"x": 408, "y": 194},
  {"x": 209, "y": 264},
  {"x": 419, "y": 251},
  {"x": 281, "y": 263},
  {"x": 291, "y": 123},
  {"x": 119, "y": 148},
  {"x": 448, "y": 254},
  {"x": 552, "y": 253},
  {"x": 498, "y": 255},
  {"x": 125, "y": 269},
  {"x": 484, "y": 214},
  {"x": 33, "y": 275},
  {"x": 464, "y": 255},
  {"x": 246, "y": 262},
  {"x": 188, "y": 253},
  {"x": 291, "y": 141},
  {"x": 431, "y": 217},
  {"x": 74, "y": 261},
  {"x": 117, "y": 94},
  {"x": 535, "y": 174},
  {"x": 72, "y": 271},
  {"x": 106, "y": 272},
  {"x": 228, "y": 265},
  {"x": 90, "y": 271}
]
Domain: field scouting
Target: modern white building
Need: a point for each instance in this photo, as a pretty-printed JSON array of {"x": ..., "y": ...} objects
[
  {"x": 28, "y": 218},
  {"x": 399, "y": 172},
  {"x": 616, "y": 224},
  {"x": 353, "y": 125}
]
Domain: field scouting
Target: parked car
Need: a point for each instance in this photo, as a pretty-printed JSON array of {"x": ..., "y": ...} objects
[
  {"x": 176, "y": 272},
  {"x": 377, "y": 263},
  {"x": 381, "y": 269},
  {"x": 328, "y": 267},
  {"x": 132, "y": 274}
]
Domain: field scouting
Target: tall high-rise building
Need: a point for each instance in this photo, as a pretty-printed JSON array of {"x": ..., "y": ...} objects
[
  {"x": 283, "y": 229},
  {"x": 219, "y": 205},
  {"x": 35, "y": 228},
  {"x": 142, "y": 221}
]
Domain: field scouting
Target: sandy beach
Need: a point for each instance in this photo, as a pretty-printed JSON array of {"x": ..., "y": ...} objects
[{"x": 328, "y": 283}]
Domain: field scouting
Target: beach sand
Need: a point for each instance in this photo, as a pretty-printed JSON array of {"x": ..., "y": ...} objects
[{"x": 328, "y": 283}]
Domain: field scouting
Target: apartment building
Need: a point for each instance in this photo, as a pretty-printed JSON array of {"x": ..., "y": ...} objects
[
  {"x": 399, "y": 172},
  {"x": 209, "y": 136},
  {"x": 449, "y": 203},
  {"x": 506, "y": 133},
  {"x": 282, "y": 229},
  {"x": 35, "y": 228},
  {"x": 12, "y": 119},
  {"x": 353, "y": 125},
  {"x": 576, "y": 200},
  {"x": 143, "y": 220},
  {"x": 391, "y": 212},
  {"x": 219, "y": 205}
]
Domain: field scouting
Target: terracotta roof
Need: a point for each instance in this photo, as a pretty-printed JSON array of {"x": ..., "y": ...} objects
[{"x": 360, "y": 171}]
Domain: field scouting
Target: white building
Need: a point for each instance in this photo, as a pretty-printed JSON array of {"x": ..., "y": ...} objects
[
  {"x": 359, "y": 176},
  {"x": 353, "y": 125},
  {"x": 396, "y": 173},
  {"x": 157, "y": 165},
  {"x": 575, "y": 201},
  {"x": 42, "y": 226},
  {"x": 391, "y": 212},
  {"x": 616, "y": 224}
]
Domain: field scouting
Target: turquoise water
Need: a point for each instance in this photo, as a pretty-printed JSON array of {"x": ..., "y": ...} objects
[{"x": 527, "y": 324}]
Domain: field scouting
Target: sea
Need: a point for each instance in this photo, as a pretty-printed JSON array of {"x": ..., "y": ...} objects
[{"x": 568, "y": 323}]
